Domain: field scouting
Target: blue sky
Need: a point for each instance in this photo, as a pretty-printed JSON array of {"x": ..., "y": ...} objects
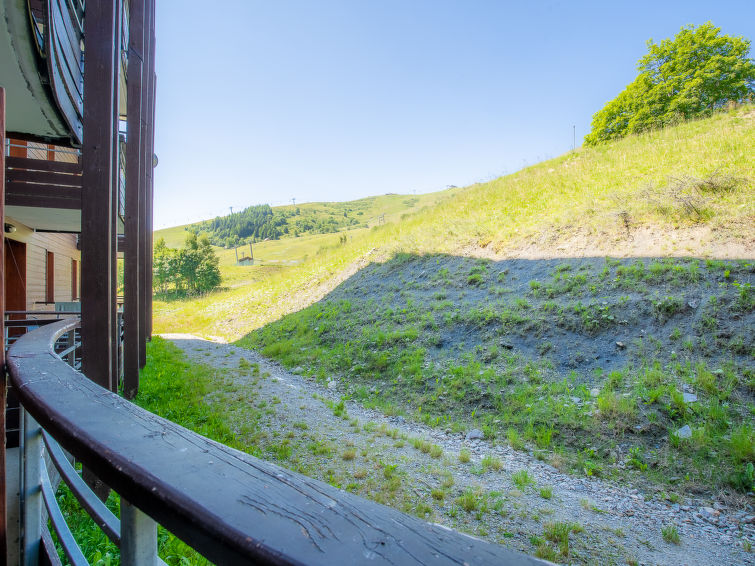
[{"x": 265, "y": 101}]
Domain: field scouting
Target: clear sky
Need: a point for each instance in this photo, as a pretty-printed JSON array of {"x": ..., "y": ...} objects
[{"x": 264, "y": 101}]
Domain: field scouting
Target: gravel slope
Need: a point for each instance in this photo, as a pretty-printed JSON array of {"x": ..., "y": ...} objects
[{"x": 619, "y": 524}]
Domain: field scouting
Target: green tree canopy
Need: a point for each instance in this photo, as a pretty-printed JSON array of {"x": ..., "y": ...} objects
[
  {"x": 691, "y": 75},
  {"x": 193, "y": 269}
]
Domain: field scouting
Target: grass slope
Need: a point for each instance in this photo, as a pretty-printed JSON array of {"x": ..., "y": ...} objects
[
  {"x": 371, "y": 211},
  {"x": 687, "y": 190},
  {"x": 595, "y": 363}
]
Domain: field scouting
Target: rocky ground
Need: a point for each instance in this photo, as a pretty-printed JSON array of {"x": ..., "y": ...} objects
[{"x": 422, "y": 470}]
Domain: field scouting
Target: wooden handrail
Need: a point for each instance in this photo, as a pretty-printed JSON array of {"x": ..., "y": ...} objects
[{"x": 231, "y": 507}]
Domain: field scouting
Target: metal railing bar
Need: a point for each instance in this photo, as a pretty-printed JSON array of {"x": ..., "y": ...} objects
[
  {"x": 65, "y": 536},
  {"x": 69, "y": 350},
  {"x": 31, "y": 497},
  {"x": 75, "y": 13},
  {"x": 105, "y": 519},
  {"x": 48, "y": 547},
  {"x": 139, "y": 546},
  {"x": 56, "y": 149},
  {"x": 50, "y": 313}
]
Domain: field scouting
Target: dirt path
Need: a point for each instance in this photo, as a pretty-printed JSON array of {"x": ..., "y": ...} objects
[{"x": 489, "y": 496}]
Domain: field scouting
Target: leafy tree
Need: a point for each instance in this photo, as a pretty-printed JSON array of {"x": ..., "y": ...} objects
[
  {"x": 193, "y": 269},
  {"x": 207, "y": 273},
  {"x": 161, "y": 266},
  {"x": 691, "y": 75}
]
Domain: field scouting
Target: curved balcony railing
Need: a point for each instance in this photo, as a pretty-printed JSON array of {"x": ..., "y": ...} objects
[{"x": 229, "y": 506}]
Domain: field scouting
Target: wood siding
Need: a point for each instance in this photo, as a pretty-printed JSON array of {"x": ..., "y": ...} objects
[{"x": 63, "y": 246}]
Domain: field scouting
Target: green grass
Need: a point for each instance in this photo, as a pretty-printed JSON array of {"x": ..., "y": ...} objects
[
  {"x": 670, "y": 534},
  {"x": 558, "y": 532},
  {"x": 397, "y": 341},
  {"x": 522, "y": 479}
]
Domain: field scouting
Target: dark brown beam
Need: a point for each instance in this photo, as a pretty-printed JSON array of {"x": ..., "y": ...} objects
[
  {"x": 150, "y": 204},
  {"x": 145, "y": 226},
  {"x": 40, "y": 195},
  {"x": 115, "y": 344},
  {"x": 3, "y": 384},
  {"x": 98, "y": 202},
  {"x": 151, "y": 186},
  {"x": 42, "y": 165},
  {"x": 135, "y": 189},
  {"x": 43, "y": 202},
  {"x": 45, "y": 177}
]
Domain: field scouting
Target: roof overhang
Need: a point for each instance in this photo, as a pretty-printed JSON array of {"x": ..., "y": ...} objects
[{"x": 31, "y": 109}]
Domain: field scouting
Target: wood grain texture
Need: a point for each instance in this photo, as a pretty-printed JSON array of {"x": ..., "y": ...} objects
[
  {"x": 24, "y": 163},
  {"x": 42, "y": 201},
  {"x": 98, "y": 190},
  {"x": 44, "y": 177},
  {"x": 231, "y": 507},
  {"x": 134, "y": 336}
]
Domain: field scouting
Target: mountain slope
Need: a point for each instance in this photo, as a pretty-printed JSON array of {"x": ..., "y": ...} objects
[{"x": 682, "y": 191}]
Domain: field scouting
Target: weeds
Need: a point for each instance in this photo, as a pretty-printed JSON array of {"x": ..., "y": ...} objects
[
  {"x": 491, "y": 463},
  {"x": 522, "y": 479},
  {"x": 558, "y": 532},
  {"x": 670, "y": 534}
]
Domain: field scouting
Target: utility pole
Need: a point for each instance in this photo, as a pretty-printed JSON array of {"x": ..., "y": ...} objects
[{"x": 251, "y": 252}]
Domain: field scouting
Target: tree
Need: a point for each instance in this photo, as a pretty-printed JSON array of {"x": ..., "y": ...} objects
[
  {"x": 207, "y": 274},
  {"x": 194, "y": 268},
  {"x": 691, "y": 75},
  {"x": 161, "y": 266}
]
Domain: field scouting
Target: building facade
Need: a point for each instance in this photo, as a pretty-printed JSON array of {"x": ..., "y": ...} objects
[{"x": 77, "y": 158}]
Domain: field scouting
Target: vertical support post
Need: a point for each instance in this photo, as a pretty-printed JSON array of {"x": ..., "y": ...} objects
[
  {"x": 32, "y": 490},
  {"x": 145, "y": 240},
  {"x": 115, "y": 199},
  {"x": 97, "y": 202},
  {"x": 3, "y": 384},
  {"x": 151, "y": 188},
  {"x": 151, "y": 183},
  {"x": 138, "y": 537},
  {"x": 135, "y": 189}
]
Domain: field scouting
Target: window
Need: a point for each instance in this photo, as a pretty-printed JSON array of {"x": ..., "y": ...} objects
[
  {"x": 50, "y": 278},
  {"x": 74, "y": 280}
]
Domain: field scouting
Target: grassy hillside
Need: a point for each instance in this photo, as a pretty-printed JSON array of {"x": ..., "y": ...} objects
[
  {"x": 596, "y": 363},
  {"x": 683, "y": 191},
  {"x": 355, "y": 214}
]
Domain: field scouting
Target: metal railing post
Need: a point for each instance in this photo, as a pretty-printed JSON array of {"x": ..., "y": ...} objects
[
  {"x": 32, "y": 490},
  {"x": 71, "y": 357},
  {"x": 138, "y": 537}
]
